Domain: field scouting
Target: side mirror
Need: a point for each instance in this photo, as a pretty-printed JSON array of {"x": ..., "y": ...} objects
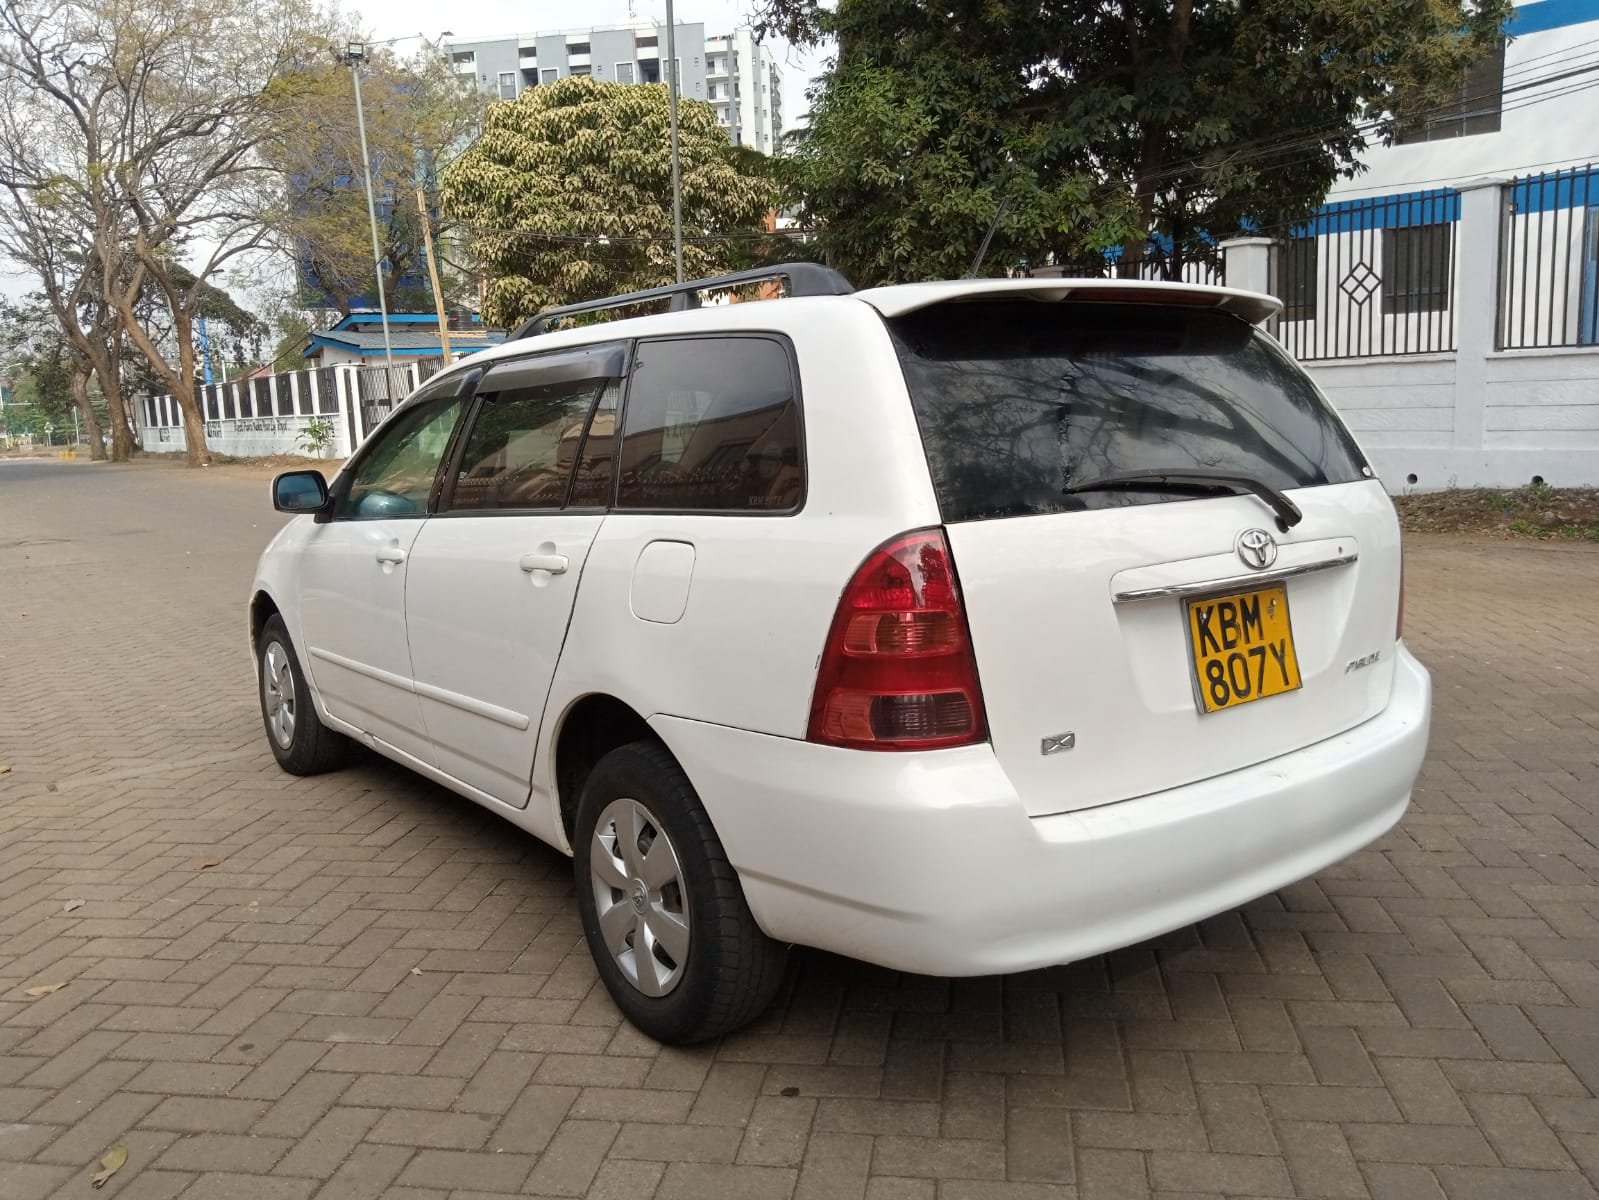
[{"x": 300, "y": 492}]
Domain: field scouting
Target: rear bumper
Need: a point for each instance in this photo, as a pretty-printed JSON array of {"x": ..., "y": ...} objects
[{"x": 929, "y": 863}]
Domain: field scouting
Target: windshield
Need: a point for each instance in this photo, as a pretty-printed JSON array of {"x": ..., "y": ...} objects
[{"x": 1020, "y": 401}]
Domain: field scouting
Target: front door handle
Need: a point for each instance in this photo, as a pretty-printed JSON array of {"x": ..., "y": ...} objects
[
  {"x": 390, "y": 554},
  {"x": 554, "y": 564}
]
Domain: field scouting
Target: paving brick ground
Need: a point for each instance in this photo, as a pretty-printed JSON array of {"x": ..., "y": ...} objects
[{"x": 360, "y": 986}]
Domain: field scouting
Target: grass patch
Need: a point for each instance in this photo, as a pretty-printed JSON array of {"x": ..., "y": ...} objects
[{"x": 1534, "y": 511}]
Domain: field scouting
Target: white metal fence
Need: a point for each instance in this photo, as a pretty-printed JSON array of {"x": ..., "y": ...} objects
[{"x": 274, "y": 414}]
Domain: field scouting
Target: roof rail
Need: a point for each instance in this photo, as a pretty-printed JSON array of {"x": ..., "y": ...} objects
[{"x": 803, "y": 278}]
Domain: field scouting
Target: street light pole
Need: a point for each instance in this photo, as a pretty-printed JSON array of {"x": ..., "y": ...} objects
[
  {"x": 677, "y": 179},
  {"x": 355, "y": 55}
]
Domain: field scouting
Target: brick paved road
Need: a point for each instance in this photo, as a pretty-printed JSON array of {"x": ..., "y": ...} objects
[{"x": 359, "y": 986}]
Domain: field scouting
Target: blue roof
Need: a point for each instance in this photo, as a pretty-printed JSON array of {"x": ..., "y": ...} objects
[
  {"x": 371, "y": 316},
  {"x": 406, "y": 343}
]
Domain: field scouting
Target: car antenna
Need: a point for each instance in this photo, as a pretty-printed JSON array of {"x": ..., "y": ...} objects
[{"x": 982, "y": 251}]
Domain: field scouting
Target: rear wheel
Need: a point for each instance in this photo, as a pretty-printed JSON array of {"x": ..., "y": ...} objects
[
  {"x": 663, "y": 911},
  {"x": 300, "y": 742}
]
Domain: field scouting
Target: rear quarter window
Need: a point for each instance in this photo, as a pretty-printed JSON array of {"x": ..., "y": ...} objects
[
  {"x": 712, "y": 424},
  {"x": 1019, "y": 400}
]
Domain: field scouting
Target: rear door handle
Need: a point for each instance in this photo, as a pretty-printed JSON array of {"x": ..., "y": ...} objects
[
  {"x": 390, "y": 554},
  {"x": 555, "y": 564}
]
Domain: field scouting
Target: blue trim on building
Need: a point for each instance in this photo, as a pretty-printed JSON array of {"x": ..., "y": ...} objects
[
  {"x": 1575, "y": 188},
  {"x": 462, "y": 341},
  {"x": 374, "y": 317},
  {"x": 320, "y": 339},
  {"x": 1433, "y": 207},
  {"x": 1551, "y": 14}
]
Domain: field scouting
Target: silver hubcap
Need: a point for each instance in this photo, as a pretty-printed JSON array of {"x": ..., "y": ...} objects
[
  {"x": 639, "y": 897},
  {"x": 277, "y": 690}
]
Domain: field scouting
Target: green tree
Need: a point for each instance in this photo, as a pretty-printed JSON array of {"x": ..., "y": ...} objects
[
  {"x": 903, "y": 175},
  {"x": 567, "y": 195},
  {"x": 140, "y": 123},
  {"x": 418, "y": 118},
  {"x": 49, "y": 237},
  {"x": 55, "y": 376},
  {"x": 1156, "y": 124}
]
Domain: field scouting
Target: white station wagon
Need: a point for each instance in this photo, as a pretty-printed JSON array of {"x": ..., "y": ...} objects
[{"x": 963, "y": 628}]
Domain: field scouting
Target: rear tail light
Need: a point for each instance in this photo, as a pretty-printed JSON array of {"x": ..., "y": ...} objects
[{"x": 897, "y": 672}]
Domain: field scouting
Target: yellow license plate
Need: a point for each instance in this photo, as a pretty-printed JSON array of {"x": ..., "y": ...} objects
[{"x": 1243, "y": 647}]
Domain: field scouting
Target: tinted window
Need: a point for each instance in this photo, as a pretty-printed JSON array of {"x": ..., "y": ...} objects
[
  {"x": 591, "y": 486},
  {"x": 1018, "y": 400},
  {"x": 396, "y": 473},
  {"x": 521, "y": 447},
  {"x": 1476, "y": 106},
  {"x": 712, "y": 424}
]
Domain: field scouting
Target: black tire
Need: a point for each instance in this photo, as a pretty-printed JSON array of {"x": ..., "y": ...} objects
[
  {"x": 310, "y": 747},
  {"x": 732, "y": 969}
]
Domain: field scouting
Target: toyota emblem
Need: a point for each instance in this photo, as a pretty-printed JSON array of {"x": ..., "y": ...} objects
[{"x": 1257, "y": 548}]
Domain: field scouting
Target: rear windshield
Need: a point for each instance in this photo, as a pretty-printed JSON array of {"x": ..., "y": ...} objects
[{"x": 1020, "y": 401}]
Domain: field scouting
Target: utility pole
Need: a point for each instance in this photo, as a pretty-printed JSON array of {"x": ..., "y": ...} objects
[
  {"x": 433, "y": 274},
  {"x": 354, "y": 55},
  {"x": 677, "y": 178}
]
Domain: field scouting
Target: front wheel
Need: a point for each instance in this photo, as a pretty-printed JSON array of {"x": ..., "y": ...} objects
[
  {"x": 300, "y": 742},
  {"x": 662, "y": 908}
]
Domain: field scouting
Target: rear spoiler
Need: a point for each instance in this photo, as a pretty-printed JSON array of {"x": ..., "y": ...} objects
[{"x": 1254, "y": 307}]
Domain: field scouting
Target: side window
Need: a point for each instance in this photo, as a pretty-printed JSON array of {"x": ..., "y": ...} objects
[
  {"x": 522, "y": 446},
  {"x": 394, "y": 477},
  {"x": 712, "y": 424}
]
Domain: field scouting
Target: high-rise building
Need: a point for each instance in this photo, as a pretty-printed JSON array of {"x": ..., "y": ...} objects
[{"x": 734, "y": 72}]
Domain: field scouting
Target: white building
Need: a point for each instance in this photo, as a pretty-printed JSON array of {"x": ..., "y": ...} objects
[
  {"x": 1530, "y": 108},
  {"x": 1447, "y": 297},
  {"x": 746, "y": 89},
  {"x": 734, "y": 72}
]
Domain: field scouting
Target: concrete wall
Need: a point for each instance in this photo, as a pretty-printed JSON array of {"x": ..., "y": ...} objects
[
  {"x": 492, "y": 57},
  {"x": 252, "y": 438},
  {"x": 1539, "y": 417}
]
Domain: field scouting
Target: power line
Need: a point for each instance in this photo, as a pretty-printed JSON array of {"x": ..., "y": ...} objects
[
  {"x": 1308, "y": 137},
  {"x": 1315, "y": 136},
  {"x": 1526, "y": 63},
  {"x": 1526, "y": 103}
]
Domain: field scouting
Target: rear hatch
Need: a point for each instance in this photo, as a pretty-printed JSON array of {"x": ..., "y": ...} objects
[{"x": 1122, "y": 486}]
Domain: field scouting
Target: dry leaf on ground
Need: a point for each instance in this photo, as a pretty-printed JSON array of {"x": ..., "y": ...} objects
[
  {"x": 113, "y": 1161},
  {"x": 44, "y": 989},
  {"x": 73, "y": 905}
]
